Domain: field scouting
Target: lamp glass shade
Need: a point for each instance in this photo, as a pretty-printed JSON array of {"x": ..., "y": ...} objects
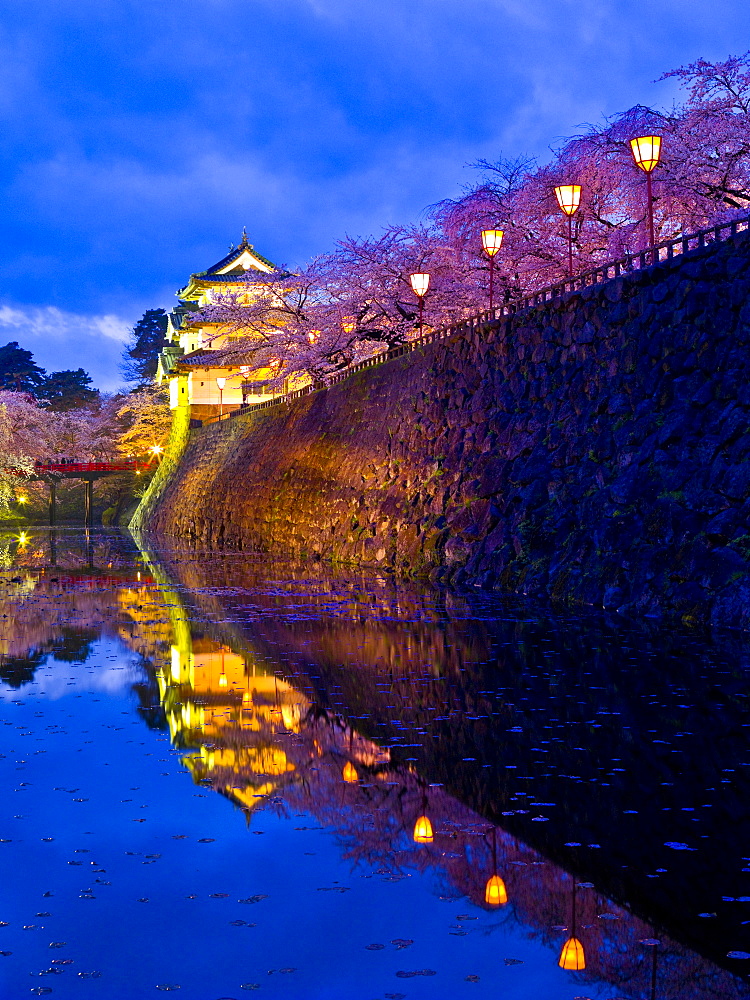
[
  {"x": 423, "y": 831},
  {"x": 571, "y": 956},
  {"x": 495, "y": 893},
  {"x": 568, "y": 197},
  {"x": 221, "y": 382},
  {"x": 492, "y": 240},
  {"x": 223, "y": 680},
  {"x": 646, "y": 150},
  {"x": 420, "y": 282},
  {"x": 349, "y": 773},
  {"x": 348, "y": 324}
]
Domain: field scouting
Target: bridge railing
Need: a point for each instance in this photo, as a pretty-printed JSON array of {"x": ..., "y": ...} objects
[
  {"x": 68, "y": 467},
  {"x": 664, "y": 251}
]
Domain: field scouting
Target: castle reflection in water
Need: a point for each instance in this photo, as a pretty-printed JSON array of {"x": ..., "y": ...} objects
[{"x": 262, "y": 734}]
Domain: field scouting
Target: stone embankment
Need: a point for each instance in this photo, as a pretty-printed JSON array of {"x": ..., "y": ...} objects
[{"x": 593, "y": 449}]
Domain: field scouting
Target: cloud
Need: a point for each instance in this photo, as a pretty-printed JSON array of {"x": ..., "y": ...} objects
[{"x": 61, "y": 340}]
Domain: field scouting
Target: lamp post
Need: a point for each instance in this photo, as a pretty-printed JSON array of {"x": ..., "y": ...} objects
[
  {"x": 646, "y": 150},
  {"x": 569, "y": 198},
  {"x": 420, "y": 282},
  {"x": 492, "y": 240},
  {"x": 221, "y": 382}
]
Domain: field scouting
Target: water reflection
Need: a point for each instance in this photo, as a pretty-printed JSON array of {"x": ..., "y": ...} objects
[{"x": 430, "y": 732}]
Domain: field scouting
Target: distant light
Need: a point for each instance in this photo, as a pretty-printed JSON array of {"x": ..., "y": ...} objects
[
  {"x": 348, "y": 324},
  {"x": 646, "y": 150},
  {"x": 23, "y": 538},
  {"x": 156, "y": 449},
  {"x": 492, "y": 240},
  {"x": 571, "y": 956},
  {"x": 23, "y": 499},
  {"x": 495, "y": 893},
  {"x": 223, "y": 680},
  {"x": 423, "y": 831},
  {"x": 349, "y": 773},
  {"x": 420, "y": 282},
  {"x": 568, "y": 197}
]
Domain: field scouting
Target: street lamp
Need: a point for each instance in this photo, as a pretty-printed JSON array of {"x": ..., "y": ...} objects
[
  {"x": 646, "y": 150},
  {"x": 569, "y": 198},
  {"x": 492, "y": 240},
  {"x": 420, "y": 282},
  {"x": 221, "y": 382}
]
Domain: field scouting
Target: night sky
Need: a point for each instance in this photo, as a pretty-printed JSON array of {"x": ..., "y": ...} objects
[{"x": 139, "y": 137}]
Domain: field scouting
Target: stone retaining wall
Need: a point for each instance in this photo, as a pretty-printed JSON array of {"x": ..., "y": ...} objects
[{"x": 593, "y": 449}]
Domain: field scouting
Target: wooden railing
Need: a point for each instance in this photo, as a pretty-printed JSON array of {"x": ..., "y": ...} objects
[{"x": 665, "y": 251}]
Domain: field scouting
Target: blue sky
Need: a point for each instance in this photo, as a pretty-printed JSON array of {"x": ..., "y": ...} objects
[{"x": 137, "y": 137}]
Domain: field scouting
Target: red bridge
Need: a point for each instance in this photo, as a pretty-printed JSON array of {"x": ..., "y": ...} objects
[
  {"x": 53, "y": 472},
  {"x": 77, "y": 469}
]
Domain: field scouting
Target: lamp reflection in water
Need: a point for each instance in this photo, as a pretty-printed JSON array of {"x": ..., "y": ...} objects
[
  {"x": 653, "y": 944},
  {"x": 572, "y": 956},
  {"x": 423, "y": 830},
  {"x": 349, "y": 773},
  {"x": 495, "y": 893},
  {"x": 423, "y": 827}
]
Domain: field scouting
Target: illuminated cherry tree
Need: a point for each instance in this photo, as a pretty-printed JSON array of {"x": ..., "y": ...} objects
[{"x": 357, "y": 301}]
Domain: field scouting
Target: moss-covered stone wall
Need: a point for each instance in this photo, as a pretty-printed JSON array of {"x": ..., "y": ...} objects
[{"x": 593, "y": 449}]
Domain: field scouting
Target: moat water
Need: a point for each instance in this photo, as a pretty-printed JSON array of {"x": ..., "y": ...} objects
[{"x": 215, "y": 770}]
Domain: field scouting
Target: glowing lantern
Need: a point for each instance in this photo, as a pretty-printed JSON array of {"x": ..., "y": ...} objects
[
  {"x": 348, "y": 323},
  {"x": 495, "y": 893},
  {"x": 423, "y": 831},
  {"x": 350, "y": 772},
  {"x": 568, "y": 197},
  {"x": 646, "y": 150},
  {"x": 23, "y": 499},
  {"x": 221, "y": 382},
  {"x": 420, "y": 282},
  {"x": 492, "y": 240},
  {"x": 571, "y": 956},
  {"x": 223, "y": 680}
]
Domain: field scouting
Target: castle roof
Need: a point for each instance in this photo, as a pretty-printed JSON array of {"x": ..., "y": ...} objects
[{"x": 228, "y": 270}]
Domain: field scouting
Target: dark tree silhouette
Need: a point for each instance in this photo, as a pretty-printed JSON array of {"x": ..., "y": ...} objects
[
  {"x": 140, "y": 356},
  {"x": 18, "y": 370},
  {"x": 67, "y": 390}
]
